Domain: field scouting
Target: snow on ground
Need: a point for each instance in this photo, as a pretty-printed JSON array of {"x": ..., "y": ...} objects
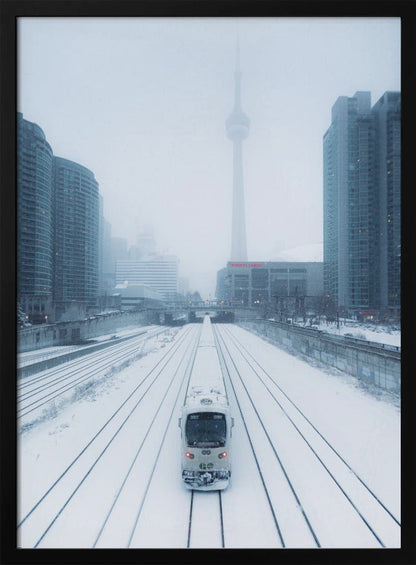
[
  {"x": 369, "y": 332},
  {"x": 35, "y": 355},
  {"x": 362, "y": 423},
  {"x": 47, "y": 448},
  {"x": 124, "y": 332},
  {"x": 365, "y": 331}
]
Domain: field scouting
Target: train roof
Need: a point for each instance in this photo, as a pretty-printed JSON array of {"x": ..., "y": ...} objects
[{"x": 206, "y": 398}]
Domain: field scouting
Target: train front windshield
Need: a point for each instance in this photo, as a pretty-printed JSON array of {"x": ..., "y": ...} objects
[{"x": 206, "y": 429}]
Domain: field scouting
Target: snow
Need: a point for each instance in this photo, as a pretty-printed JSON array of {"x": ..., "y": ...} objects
[
  {"x": 34, "y": 356},
  {"x": 152, "y": 510},
  {"x": 364, "y": 331},
  {"x": 357, "y": 330},
  {"x": 364, "y": 430}
]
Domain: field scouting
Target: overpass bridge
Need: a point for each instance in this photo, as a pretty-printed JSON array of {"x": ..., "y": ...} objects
[{"x": 182, "y": 312}]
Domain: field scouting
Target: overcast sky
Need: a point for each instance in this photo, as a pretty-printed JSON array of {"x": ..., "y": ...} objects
[{"x": 142, "y": 103}]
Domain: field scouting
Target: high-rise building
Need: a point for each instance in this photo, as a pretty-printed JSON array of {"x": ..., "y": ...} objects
[
  {"x": 237, "y": 127},
  {"x": 101, "y": 242},
  {"x": 34, "y": 220},
  {"x": 355, "y": 201},
  {"x": 157, "y": 272},
  {"x": 59, "y": 224},
  {"x": 183, "y": 285},
  {"x": 76, "y": 233},
  {"x": 146, "y": 241},
  {"x": 118, "y": 250},
  {"x": 348, "y": 191},
  {"x": 387, "y": 116},
  {"x": 108, "y": 268}
]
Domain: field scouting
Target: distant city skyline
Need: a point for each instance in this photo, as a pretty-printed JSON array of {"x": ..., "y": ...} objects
[{"x": 142, "y": 102}]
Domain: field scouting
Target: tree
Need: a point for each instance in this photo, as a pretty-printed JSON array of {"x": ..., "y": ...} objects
[
  {"x": 22, "y": 318},
  {"x": 325, "y": 306}
]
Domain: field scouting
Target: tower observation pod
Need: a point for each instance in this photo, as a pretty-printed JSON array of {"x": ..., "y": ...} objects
[{"x": 237, "y": 128}]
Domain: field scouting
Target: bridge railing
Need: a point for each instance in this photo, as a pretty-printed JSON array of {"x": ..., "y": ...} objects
[{"x": 172, "y": 306}]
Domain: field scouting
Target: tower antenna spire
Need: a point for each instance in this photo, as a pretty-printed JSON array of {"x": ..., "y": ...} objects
[{"x": 237, "y": 127}]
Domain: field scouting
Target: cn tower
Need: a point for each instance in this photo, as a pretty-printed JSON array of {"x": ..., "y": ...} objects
[{"x": 237, "y": 126}]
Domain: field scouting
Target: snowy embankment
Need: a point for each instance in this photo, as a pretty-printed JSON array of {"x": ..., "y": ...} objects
[
  {"x": 34, "y": 356},
  {"x": 368, "y": 332}
]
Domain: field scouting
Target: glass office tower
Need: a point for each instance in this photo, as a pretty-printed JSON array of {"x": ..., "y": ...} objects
[
  {"x": 362, "y": 204},
  {"x": 387, "y": 117}
]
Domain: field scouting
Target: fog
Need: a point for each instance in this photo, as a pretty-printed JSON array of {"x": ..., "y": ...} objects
[{"x": 142, "y": 103}]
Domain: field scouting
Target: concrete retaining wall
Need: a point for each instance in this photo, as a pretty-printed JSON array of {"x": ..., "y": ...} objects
[
  {"x": 33, "y": 368},
  {"x": 68, "y": 333},
  {"x": 368, "y": 361}
]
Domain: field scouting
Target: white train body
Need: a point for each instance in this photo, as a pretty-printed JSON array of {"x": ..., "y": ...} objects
[{"x": 206, "y": 421}]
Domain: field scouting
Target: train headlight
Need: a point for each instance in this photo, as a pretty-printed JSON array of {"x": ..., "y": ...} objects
[
  {"x": 222, "y": 455},
  {"x": 189, "y": 455}
]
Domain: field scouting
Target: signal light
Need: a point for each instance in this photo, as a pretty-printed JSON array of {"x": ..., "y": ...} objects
[
  {"x": 189, "y": 455},
  {"x": 222, "y": 455}
]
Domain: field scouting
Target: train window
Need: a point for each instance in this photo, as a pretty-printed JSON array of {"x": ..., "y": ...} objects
[{"x": 206, "y": 429}]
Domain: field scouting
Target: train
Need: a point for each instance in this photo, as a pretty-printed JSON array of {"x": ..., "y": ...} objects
[{"x": 206, "y": 422}]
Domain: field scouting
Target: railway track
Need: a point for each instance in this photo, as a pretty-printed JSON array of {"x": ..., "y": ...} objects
[
  {"x": 203, "y": 505},
  {"x": 73, "y": 486},
  {"x": 35, "y": 393},
  {"x": 304, "y": 531},
  {"x": 299, "y": 419},
  {"x": 265, "y": 396},
  {"x": 291, "y": 486}
]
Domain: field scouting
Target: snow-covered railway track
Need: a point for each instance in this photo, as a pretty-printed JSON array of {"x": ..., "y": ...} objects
[
  {"x": 303, "y": 424},
  {"x": 304, "y": 453},
  {"x": 133, "y": 482},
  {"x": 36, "y": 392},
  {"x": 206, "y": 523},
  {"x": 124, "y": 443},
  {"x": 38, "y": 355},
  {"x": 271, "y": 478},
  {"x": 109, "y": 469}
]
